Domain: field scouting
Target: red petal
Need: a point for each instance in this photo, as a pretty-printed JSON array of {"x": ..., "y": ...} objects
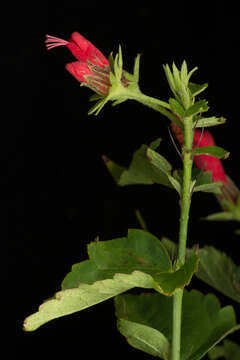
[
  {"x": 84, "y": 50},
  {"x": 78, "y": 70}
]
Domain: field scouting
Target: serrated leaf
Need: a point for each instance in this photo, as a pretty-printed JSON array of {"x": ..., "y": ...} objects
[
  {"x": 114, "y": 264},
  {"x": 139, "y": 251},
  {"x": 215, "y": 151},
  {"x": 209, "y": 121},
  {"x": 144, "y": 338},
  {"x": 69, "y": 301},
  {"x": 199, "y": 106},
  {"x": 229, "y": 351},
  {"x": 215, "y": 268},
  {"x": 204, "y": 323},
  {"x": 196, "y": 89},
  {"x": 219, "y": 271},
  {"x": 176, "y": 107}
]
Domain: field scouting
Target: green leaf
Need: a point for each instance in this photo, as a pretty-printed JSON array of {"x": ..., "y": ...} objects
[
  {"x": 144, "y": 338},
  {"x": 69, "y": 301},
  {"x": 139, "y": 251},
  {"x": 159, "y": 161},
  {"x": 203, "y": 181},
  {"x": 219, "y": 271},
  {"x": 215, "y": 151},
  {"x": 197, "y": 88},
  {"x": 229, "y": 350},
  {"x": 209, "y": 121},
  {"x": 115, "y": 266},
  {"x": 214, "y": 187},
  {"x": 176, "y": 107},
  {"x": 147, "y": 167},
  {"x": 199, "y": 106},
  {"x": 204, "y": 322},
  {"x": 114, "y": 169},
  {"x": 215, "y": 268}
]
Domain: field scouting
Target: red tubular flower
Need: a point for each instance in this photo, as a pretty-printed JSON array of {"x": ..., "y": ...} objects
[
  {"x": 91, "y": 68},
  {"x": 210, "y": 163}
]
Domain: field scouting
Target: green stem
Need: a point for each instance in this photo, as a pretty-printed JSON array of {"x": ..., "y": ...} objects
[{"x": 185, "y": 207}]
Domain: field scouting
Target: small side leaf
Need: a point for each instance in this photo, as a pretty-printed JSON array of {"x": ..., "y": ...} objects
[
  {"x": 176, "y": 107},
  {"x": 215, "y": 151},
  {"x": 144, "y": 338},
  {"x": 209, "y": 121},
  {"x": 197, "y": 88},
  {"x": 199, "y": 106}
]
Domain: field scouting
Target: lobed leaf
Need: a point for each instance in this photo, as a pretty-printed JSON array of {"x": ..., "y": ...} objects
[{"x": 204, "y": 322}]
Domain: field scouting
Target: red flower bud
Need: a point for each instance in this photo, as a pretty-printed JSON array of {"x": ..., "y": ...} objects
[{"x": 92, "y": 67}]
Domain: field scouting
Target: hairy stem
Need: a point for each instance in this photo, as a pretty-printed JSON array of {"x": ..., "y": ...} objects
[{"x": 185, "y": 207}]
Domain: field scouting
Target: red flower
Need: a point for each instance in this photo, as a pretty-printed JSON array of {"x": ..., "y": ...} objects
[
  {"x": 204, "y": 162},
  {"x": 91, "y": 68},
  {"x": 210, "y": 163}
]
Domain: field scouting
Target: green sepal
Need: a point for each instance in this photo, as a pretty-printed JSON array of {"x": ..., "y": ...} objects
[{"x": 215, "y": 151}]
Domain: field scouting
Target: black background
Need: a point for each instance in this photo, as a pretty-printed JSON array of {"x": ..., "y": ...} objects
[{"x": 57, "y": 194}]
